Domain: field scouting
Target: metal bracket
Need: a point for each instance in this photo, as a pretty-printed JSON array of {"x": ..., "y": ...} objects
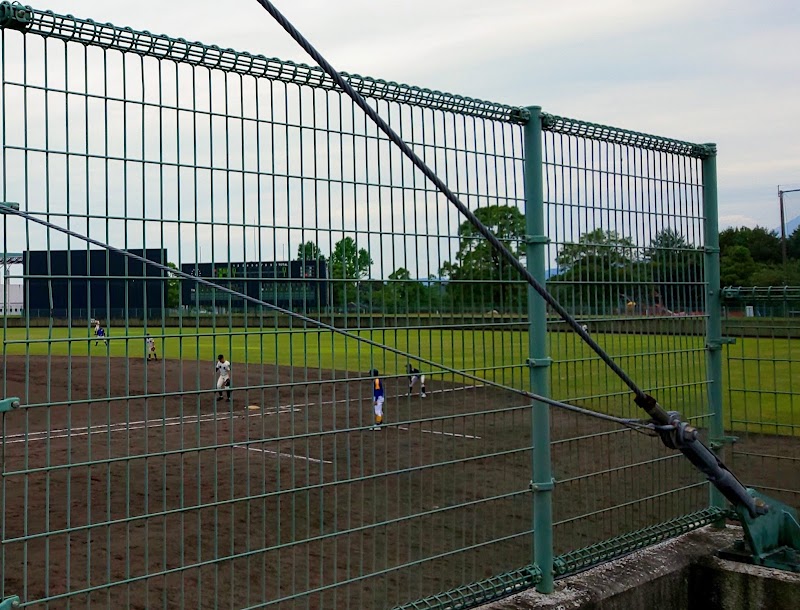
[
  {"x": 712, "y": 250},
  {"x": 704, "y": 150},
  {"x": 8, "y": 205},
  {"x": 8, "y": 404},
  {"x": 520, "y": 115},
  {"x": 715, "y": 444},
  {"x": 533, "y": 240},
  {"x": 538, "y": 362},
  {"x": 773, "y": 538},
  {"x": 15, "y": 16},
  {"x": 9, "y": 603},
  {"x": 717, "y": 345},
  {"x": 546, "y": 486}
]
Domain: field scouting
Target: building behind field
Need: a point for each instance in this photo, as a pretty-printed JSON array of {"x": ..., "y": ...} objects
[
  {"x": 11, "y": 299},
  {"x": 288, "y": 284},
  {"x": 81, "y": 284}
]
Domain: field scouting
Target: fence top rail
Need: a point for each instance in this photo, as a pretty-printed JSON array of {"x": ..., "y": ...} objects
[
  {"x": 160, "y": 46},
  {"x": 625, "y": 137},
  {"x": 761, "y": 293}
]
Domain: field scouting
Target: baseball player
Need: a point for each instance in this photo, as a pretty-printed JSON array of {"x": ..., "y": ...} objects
[
  {"x": 151, "y": 348},
  {"x": 100, "y": 333},
  {"x": 413, "y": 376},
  {"x": 378, "y": 397},
  {"x": 223, "y": 369}
]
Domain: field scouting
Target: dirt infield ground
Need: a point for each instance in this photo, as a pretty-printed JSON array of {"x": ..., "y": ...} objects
[{"x": 181, "y": 500}]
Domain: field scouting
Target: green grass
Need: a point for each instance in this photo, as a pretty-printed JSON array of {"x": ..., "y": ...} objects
[{"x": 758, "y": 375}]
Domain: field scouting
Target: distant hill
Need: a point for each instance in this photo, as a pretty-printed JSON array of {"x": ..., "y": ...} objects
[{"x": 791, "y": 226}]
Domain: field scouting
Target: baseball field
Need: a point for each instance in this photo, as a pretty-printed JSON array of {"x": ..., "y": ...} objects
[
  {"x": 663, "y": 364},
  {"x": 131, "y": 483}
]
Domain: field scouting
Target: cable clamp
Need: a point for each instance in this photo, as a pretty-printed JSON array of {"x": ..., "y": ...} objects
[
  {"x": 8, "y": 205},
  {"x": 676, "y": 434}
]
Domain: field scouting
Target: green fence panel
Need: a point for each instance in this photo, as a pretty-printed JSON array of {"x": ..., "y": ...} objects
[
  {"x": 763, "y": 387},
  {"x": 625, "y": 220},
  {"x": 132, "y": 481},
  {"x": 137, "y": 472}
]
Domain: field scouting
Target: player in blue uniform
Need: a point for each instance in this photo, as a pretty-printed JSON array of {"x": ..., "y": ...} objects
[
  {"x": 100, "y": 334},
  {"x": 378, "y": 396}
]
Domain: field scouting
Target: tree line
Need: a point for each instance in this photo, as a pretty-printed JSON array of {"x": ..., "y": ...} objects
[
  {"x": 753, "y": 257},
  {"x": 602, "y": 271}
]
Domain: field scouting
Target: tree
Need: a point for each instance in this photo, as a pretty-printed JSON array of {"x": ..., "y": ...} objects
[
  {"x": 764, "y": 246},
  {"x": 793, "y": 245},
  {"x": 479, "y": 277},
  {"x": 776, "y": 275},
  {"x": 173, "y": 288},
  {"x": 665, "y": 246},
  {"x": 309, "y": 251},
  {"x": 348, "y": 263},
  {"x": 597, "y": 272},
  {"x": 737, "y": 266},
  {"x": 675, "y": 269},
  {"x": 600, "y": 245},
  {"x": 402, "y": 294}
]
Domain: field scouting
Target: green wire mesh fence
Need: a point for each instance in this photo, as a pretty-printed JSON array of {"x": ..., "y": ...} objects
[
  {"x": 626, "y": 229},
  {"x": 763, "y": 362},
  {"x": 134, "y": 475}
]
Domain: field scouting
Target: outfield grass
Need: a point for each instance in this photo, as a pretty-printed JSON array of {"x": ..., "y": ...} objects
[{"x": 758, "y": 375}]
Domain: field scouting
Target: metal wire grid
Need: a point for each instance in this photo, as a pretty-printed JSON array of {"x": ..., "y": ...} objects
[
  {"x": 328, "y": 516},
  {"x": 626, "y": 229},
  {"x": 124, "y": 482},
  {"x": 763, "y": 415}
]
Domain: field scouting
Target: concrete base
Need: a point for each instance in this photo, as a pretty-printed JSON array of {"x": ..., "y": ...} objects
[{"x": 679, "y": 574}]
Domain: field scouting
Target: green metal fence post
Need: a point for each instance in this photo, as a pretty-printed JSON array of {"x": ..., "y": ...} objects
[
  {"x": 714, "y": 310},
  {"x": 538, "y": 361}
]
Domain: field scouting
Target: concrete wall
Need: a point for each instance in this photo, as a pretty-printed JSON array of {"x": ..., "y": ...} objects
[
  {"x": 680, "y": 574},
  {"x": 726, "y": 585}
]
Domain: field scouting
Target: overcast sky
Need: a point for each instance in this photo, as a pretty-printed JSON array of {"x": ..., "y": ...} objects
[{"x": 711, "y": 71}]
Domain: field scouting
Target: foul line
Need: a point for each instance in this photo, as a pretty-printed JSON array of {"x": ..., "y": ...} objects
[
  {"x": 179, "y": 420},
  {"x": 286, "y": 455},
  {"x": 440, "y": 433},
  {"x": 136, "y": 425}
]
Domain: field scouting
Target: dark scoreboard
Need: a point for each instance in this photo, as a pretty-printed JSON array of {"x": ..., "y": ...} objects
[
  {"x": 97, "y": 280},
  {"x": 288, "y": 284}
]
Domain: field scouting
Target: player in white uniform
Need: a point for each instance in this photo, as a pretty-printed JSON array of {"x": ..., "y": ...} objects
[
  {"x": 223, "y": 369},
  {"x": 413, "y": 376},
  {"x": 151, "y": 349}
]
